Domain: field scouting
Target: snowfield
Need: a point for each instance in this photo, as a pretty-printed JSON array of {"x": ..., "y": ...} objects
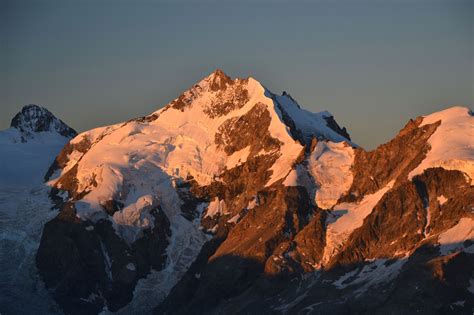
[
  {"x": 453, "y": 239},
  {"x": 452, "y": 144},
  {"x": 347, "y": 217},
  {"x": 23, "y": 213},
  {"x": 330, "y": 166},
  {"x": 25, "y": 163}
]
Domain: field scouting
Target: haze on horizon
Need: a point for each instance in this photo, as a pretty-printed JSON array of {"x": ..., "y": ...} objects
[{"x": 372, "y": 64}]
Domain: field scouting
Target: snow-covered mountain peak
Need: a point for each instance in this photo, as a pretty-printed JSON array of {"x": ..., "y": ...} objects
[
  {"x": 227, "y": 137},
  {"x": 277, "y": 185},
  {"x": 33, "y": 119},
  {"x": 217, "y": 125},
  {"x": 218, "y": 97}
]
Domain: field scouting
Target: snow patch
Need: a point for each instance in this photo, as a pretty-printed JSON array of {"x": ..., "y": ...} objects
[
  {"x": 133, "y": 219},
  {"x": 215, "y": 207},
  {"x": 471, "y": 285},
  {"x": 330, "y": 166},
  {"x": 442, "y": 199},
  {"x": 131, "y": 161},
  {"x": 347, "y": 217},
  {"x": 238, "y": 158},
  {"x": 452, "y": 239},
  {"x": 234, "y": 219},
  {"x": 452, "y": 147},
  {"x": 254, "y": 202},
  {"x": 371, "y": 274},
  {"x": 308, "y": 123},
  {"x": 298, "y": 177}
]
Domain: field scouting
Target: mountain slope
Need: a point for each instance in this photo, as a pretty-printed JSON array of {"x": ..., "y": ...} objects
[
  {"x": 27, "y": 149},
  {"x": 29, "y": 146},
  {"x": 230, "y": 194}
]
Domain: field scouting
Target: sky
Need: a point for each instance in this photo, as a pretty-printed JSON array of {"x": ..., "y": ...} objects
[{"x": 372, "y": 64}]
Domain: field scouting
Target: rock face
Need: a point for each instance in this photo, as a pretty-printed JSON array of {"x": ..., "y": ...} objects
[
  {"x": 232, "y": 199},
  {"x": 95, "y": 260}
]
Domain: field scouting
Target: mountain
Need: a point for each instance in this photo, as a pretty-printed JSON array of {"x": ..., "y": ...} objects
[
  {"x": 34, "y": 120},
  {"x": 29, "y": 146},
  {"x": 27, "y": 149},
  {"x": 234, "y": 199}
]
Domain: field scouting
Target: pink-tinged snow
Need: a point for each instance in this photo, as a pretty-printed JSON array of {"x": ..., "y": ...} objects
[
  {"x": 237, "y": 158},
  {"x": 347, "y": 217},
  {"x": 299, "y": 176},
  {"x": 215, "y": 207},
  {"x": 330, "y": 166},
  {"x": 93, "y": 136},
  {"x": 452, "y": 239},
  {"x": 136, "y": 159},
  {"x": 234, "y": 219},
  {"x": 452, "y": 144},
  {"x": 326, "y": 174},
  {"x": 290, "y": 148},
  {"x": 139, "y": 163},
  {"x": 442, "y": 199}
]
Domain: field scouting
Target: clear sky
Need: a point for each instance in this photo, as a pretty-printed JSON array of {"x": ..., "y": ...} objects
[{"x": 373, "y": 64}]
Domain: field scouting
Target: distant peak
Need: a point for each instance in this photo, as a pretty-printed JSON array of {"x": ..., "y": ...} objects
[
  {"x": 27, "y": 114},
  {"x": 33, "y": 119},
  {"x": 33, "y": 107}
]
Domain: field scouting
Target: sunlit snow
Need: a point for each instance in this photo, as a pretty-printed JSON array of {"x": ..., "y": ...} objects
[
  {"x": 452, "y": 144},
  {"x": 347, "y": 217}
]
